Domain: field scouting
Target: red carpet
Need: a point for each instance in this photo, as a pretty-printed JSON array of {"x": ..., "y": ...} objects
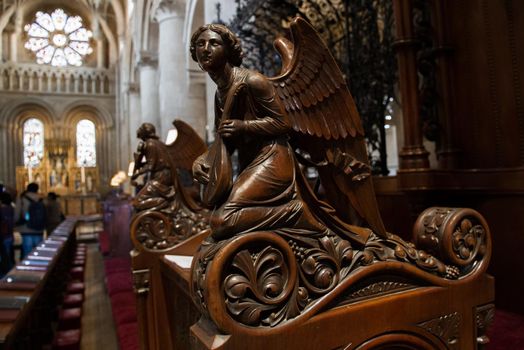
[
  {"x": 506, "y": 332},
  {"x": 119, "y": 284},
  {"x": 103, "y": 239}
]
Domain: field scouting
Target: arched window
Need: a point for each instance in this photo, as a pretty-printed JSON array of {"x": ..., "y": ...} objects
[
  {"x": 58, "y": 39},
  {"x": 85, "y": 143},
  {"x": 33, "y": 142}
]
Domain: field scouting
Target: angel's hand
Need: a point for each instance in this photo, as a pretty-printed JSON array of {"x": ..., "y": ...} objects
[
  {"x": 201, "y": 172},
  {"x": 231, "y": 127}
]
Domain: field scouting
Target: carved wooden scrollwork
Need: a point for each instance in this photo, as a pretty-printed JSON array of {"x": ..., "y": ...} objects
[
  {"x": 157, "y": 231},
  {"x": 459, "y": 236},
  {"x": 151, "y": 229},
  {"x": 267, "y": 281},
  {"x": 258, "y": 286},
  {"x": 258, "y": 276}
]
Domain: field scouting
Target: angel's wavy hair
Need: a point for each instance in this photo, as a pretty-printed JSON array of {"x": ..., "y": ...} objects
[
  {"x": 147, "y": 130},
  {"x": 231, "y": 41}
]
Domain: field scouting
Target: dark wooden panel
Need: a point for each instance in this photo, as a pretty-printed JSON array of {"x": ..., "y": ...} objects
[
  {"x": 488, "y": 79},
  {"x": 498, "y": 194}
]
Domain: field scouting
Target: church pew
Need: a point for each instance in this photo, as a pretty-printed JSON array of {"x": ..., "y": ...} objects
[
  {"x": 32, "y": 290},
  {"x": 155, "y": 292}
]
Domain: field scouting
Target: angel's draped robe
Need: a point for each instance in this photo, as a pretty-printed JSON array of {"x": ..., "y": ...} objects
[{"x": 265, "y": 195}]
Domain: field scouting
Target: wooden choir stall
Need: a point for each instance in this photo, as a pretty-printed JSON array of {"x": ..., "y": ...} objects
[
  {"x": 41, "y": 297},
  {"x": 264, "y": 260}
]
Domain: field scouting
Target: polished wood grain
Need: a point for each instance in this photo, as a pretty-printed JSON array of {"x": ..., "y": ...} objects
[{"x": 278, "y": 268}]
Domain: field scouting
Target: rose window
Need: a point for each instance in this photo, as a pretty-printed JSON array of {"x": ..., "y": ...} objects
[{"x": 58, "y": 39}]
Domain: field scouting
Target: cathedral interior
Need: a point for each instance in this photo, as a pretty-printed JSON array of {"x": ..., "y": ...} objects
[{"x": 438, "y": 86}]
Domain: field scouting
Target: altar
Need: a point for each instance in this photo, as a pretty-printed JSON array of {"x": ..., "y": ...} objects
[{"x": 58, "y": 171}]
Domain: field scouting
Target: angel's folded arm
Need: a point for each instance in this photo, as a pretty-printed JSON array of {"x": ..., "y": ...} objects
[{"x": 267, "y": 126}]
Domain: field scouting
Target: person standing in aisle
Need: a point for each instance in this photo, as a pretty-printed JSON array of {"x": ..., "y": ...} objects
[
  {"x": 30, "y": 214},
  {"x": 54, "y": 214},
  {"x": 7, "y": 217}
]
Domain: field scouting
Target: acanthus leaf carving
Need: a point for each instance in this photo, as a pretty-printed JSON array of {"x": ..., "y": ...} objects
[{"x": 445, "y": 327}]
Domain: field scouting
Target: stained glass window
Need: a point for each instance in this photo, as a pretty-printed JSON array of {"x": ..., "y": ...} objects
[
  {"x": 58, "y": 39},
  {"x": 85, "y": 143},
  {"x": 33, "y": 142}
]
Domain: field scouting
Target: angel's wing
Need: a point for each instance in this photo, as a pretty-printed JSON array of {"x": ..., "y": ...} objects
[
  {"x": 187, "y": 146},
  {"x": 326, "y": 123},
  {"x": 182, "y": 153}
]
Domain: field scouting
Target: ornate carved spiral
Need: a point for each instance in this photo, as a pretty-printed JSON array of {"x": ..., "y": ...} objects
[
  {"x": 256, "y": 275},
  {"x": 152, "y": 230},
  {"x": 255, "y": 284},
  {"x": 161, "y": 230},
  {"x": 319, "y": 271},
  {"x": 459, "y": 236}
]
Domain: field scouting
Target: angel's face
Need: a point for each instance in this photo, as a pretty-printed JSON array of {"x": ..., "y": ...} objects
[{"x": 210, "y": 51}]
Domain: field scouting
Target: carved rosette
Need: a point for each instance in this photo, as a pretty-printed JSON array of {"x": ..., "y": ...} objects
[
  {"x": 158, "y": 231},
  {"x": 458, "y": 236}
]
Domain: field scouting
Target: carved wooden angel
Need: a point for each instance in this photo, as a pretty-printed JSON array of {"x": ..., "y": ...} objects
[
  {"x": 161, "y": 163},
  {"x": 280, "y": 254},
  {"x": 306, "y": 112},
  {"x": 167, "y": 212}
]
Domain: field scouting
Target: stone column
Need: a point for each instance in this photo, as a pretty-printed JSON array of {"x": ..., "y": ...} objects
[
  {"x": 134, "y": 114},
  {"x": 99, "y": 39},
  {"x": 173, "y": 79},
  {"x": 149, "y": 90},
  {"x": 16, "y": 36}
]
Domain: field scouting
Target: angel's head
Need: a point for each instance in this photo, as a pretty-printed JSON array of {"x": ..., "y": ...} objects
[
  {"x": 146, "y": 131},
  {"x": 231, "y": 43}
]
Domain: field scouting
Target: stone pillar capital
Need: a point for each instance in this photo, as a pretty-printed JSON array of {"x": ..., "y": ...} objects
[
  {"x": 162, "y": 10},
  {"x": 147, "y": 59},
  {"x": 133, "y": 88}
]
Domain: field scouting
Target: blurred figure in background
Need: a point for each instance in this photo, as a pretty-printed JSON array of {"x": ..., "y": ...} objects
[
  {"x": 7, "y": 218},
  {"x": 54, "y": 215},
  {"x": 30, "y": 215}
]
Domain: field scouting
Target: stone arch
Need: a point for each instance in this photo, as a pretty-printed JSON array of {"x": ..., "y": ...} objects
[
  {"x": 13, "y": 116},
  {"x": 101, "y": 116},
  {"x": 14, "y": 112},
  {"x": 104, "y": 129}
]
